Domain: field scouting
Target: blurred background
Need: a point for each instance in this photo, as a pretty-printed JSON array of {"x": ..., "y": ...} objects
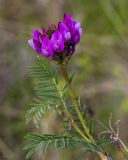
[{"x": 100, "y": 63}]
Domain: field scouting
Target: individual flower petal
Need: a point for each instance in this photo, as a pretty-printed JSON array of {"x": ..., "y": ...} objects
[
  {"x": 44, "y": 32},
  {"x": 76, "y": 37},
  {"x": 46, "y": 48},
  {"x": 64, "y": 31},
  {"x": 78, "y": 27},
  {"x": 80, "y": 31},
  {"x": 37, "y": 45},
  {"x": 30, "y": 42},
  {"x": 39, "y": 36},
  {"x": 67, "y": 20},
  {"x": 36, "y": 34},
  {"x": 67, "y": 36},
  {"x": 57, "y": 41}
]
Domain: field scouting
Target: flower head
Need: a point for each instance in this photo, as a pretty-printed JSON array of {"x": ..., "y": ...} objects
[{"x": 57, "y": 42}]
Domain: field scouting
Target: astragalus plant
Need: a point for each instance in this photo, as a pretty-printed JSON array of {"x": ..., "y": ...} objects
[{"x": 56, "y": 44}]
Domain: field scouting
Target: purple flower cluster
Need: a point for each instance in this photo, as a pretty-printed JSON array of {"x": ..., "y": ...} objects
[{"x": 57, "y": 42}]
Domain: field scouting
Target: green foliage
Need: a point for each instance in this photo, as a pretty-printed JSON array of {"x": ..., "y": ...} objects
[
  {"x": 68, "y": 128},
  {"x": 38, "y": 109},
  {"x": 45, "y": 80},
  {"x": 56, "y": 142},
  {"x": 46, "y": 89},
  {"x": 105, "y": 142},
  {"x": 51, "y": 97}
]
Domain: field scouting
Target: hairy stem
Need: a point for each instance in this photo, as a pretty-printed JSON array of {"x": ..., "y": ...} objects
[{"x": 75, "y": 104}]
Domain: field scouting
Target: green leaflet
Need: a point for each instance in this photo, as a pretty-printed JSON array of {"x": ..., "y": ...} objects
[{"x": 56, "y": 142}]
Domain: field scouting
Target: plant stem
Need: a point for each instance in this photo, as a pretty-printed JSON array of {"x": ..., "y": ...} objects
[
  {"x": 75, "y": 104},
  {"x": 69, "y": 116},
  {"x": 71, "y": 92}
]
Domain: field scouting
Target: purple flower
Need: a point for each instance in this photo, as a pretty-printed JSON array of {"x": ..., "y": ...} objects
[
  {"x": 46, "y": 48},
  {"x": 35, "y": 43},
  {"x": 57, "y": 41},
  {"x": 74, "y": 28},
  {"x": 64, "y": 31}
]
